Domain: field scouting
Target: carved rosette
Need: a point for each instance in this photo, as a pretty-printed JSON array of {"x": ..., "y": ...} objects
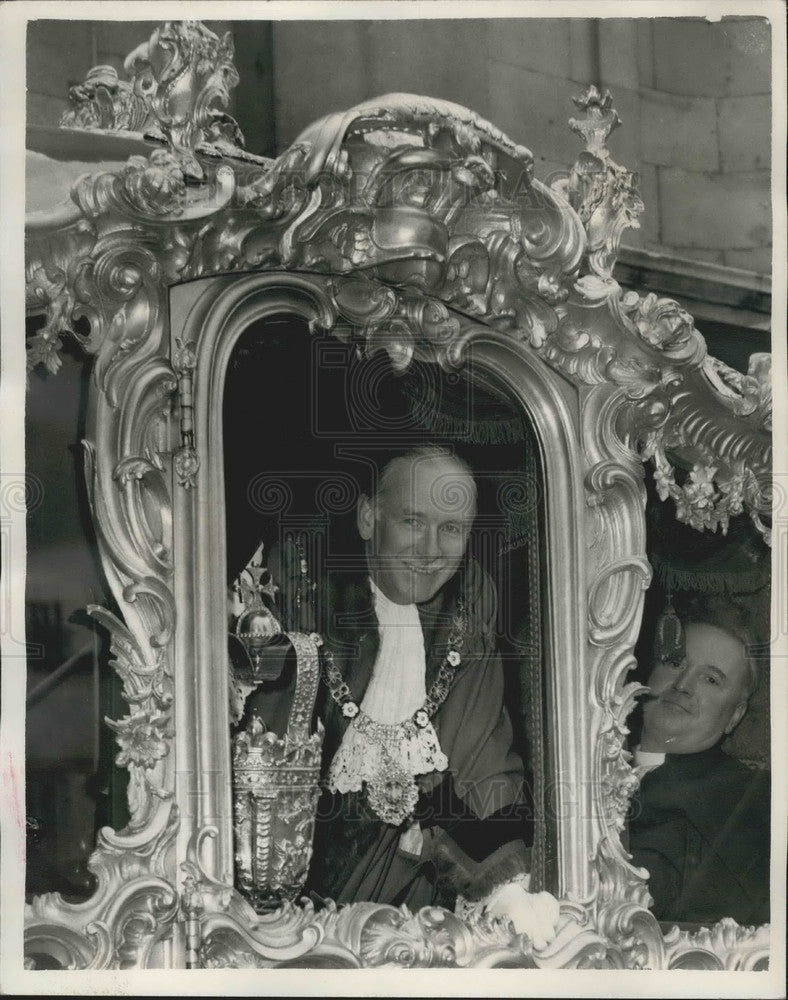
[{"x": 421, "y": 225}]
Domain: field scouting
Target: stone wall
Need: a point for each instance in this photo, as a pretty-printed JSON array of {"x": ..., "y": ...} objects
[{"x": 694, "y": 98}]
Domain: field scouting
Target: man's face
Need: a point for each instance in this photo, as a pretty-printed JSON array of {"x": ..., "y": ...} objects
[
  {"x": 417, "y": 528},
  {"x": 696, "y": 701}
]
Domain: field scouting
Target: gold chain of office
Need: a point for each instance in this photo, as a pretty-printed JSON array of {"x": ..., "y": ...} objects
[{"x": 343, "y": 696}]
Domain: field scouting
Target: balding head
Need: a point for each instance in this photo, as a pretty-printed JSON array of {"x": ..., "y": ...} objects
[{"x": 417, "y": 524}]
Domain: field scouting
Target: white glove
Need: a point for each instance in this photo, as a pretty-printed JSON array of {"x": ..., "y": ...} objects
[{"x": 532, "y": 913}]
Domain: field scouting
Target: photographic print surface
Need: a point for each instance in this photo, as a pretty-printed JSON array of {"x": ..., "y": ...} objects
[{"x": 399, "y": 497}]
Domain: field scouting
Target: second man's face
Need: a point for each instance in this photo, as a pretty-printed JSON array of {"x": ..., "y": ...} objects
[
  {"x": 695, "y": 702},
  {"x": 417, "y": 528}
]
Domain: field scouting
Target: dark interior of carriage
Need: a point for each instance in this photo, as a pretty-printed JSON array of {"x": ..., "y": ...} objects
[{"x": 298, "y": 450}]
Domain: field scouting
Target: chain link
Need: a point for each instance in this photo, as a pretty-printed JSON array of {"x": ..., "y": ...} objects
[{"x": 340, "y": 691}]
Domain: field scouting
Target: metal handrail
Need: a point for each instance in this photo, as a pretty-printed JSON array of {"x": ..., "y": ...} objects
[{"x": 57, "y": 675}]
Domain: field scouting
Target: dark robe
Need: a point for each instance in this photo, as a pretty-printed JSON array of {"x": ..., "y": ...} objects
[
  {"x": 474, "y": 817},
  {"x": 700, "y": 824}
]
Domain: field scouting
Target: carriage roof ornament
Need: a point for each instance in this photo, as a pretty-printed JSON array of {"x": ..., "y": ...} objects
[
  {"x": 176, "y": 93},
  {"x": 603, "y": 193}
]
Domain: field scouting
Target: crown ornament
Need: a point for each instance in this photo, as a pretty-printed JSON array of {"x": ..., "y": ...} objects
[
  {"x": 257, "y": 625},
  {"x": 276, "y": 785}
]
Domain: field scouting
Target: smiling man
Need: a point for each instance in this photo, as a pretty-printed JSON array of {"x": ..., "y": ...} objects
[
  {"x": 700, "y": 820},
  {"x": 417, "y": 525},
  {"x": 701, "y": 697},
  {"x": 424, "y": 799}
]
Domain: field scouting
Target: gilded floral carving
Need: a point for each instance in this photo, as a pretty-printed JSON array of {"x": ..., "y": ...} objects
[{"x": 142, "y": 739}]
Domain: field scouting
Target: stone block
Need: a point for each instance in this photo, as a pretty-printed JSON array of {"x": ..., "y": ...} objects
[
  {"x": 749, "y": 40},
  {"x": 444, "y": 59},
  {"x": 307, "y": 84},
  {"x": 715, "y": 211},
  {"x": 759, "y": 259},
  {"x": 691, "y": 56},
  {"x": 645, "y": 50},
  {"x": 533, "y": 109},
  {"x": 653, "y": 246},
  {"x": 581, "y": 63},
  {"x": 43, "y": 109},
  {"x": 119, "y": 38},
  {"x": 679, "y": 131},
  {"x": 539, "y": 44},
  {"x": 695, "y": 57},
  {"x": 745, "y": 126},
  {"x": 618, "y": 56},
  {"x": 252, "y": 102},
  {"x": 59, "y": 55},
  {"x": 695, "y": 253}
]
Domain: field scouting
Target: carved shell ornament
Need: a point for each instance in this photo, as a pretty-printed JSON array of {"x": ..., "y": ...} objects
[{"x": 409, "y": 225}]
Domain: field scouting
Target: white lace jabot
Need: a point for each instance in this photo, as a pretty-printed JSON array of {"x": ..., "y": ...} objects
[
  {"x": 394, "y": 693},
  {"x": 396, "y": 688}
]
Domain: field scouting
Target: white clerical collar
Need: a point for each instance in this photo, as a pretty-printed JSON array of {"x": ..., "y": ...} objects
[{"x": 646, "y": 758}]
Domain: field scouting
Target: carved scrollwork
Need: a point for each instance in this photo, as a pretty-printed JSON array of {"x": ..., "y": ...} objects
[
  {"x": 711, "y": 493},
  {"x": 605, "y": 625},
  {"x": 662, "y": 324},
  {"x": 51, "y": 276},
  {"x": 69, "y": 948},
  {"x": 146, "y": 502},
  {"x": 676, "y": 404},
  {"x": 369, "y": 935},
  {"x": 746, "y": 394},
  {"x": 143, "y": 736},
  {"x": 130, "y": 913},
  {"x": 727, "y": 945},
  {"x": 403, "y": 323},
  {"x": 105, "y": 101},
  {"x": 372, "y": 935},
  {"x": 178, "y": 92},
  {"x": 637, "y": 935}
]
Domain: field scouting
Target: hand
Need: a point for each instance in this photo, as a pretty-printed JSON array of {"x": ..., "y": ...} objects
[{"x": 534, "y": 914}]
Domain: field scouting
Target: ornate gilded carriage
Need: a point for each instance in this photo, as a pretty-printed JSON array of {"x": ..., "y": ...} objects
[{"x": 413, "y": 227}]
